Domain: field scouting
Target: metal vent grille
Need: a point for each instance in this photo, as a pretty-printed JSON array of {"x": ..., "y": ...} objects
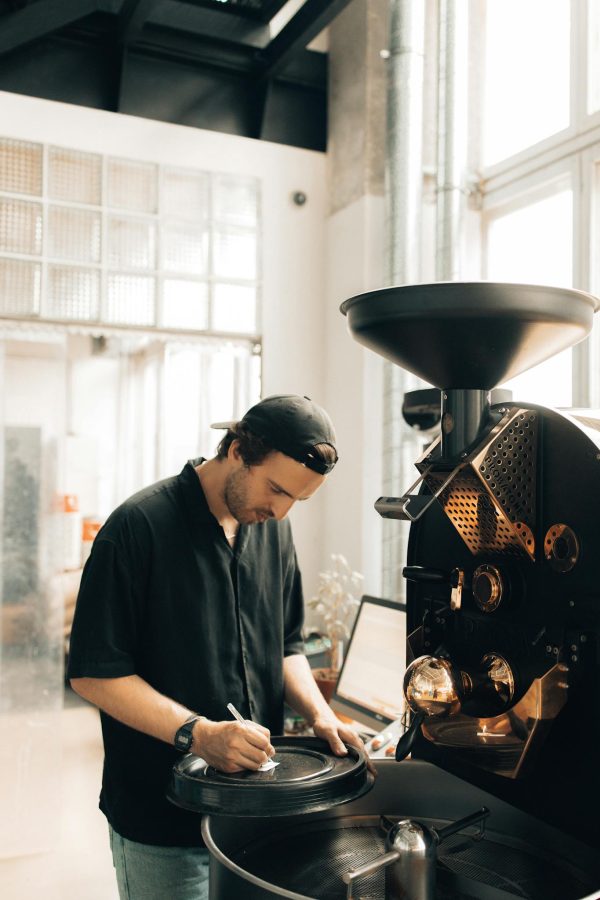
[
  {"x": 479, "y": 521},
  {"x": 491, "y": 502},
  {"x": 508, "y": 467}
]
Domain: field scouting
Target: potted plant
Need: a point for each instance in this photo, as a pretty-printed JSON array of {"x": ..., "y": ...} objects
[{"x": 336, "y": 603}]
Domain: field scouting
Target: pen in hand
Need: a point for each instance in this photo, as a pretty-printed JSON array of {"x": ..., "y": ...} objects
[{"x": 237, "y": 715}]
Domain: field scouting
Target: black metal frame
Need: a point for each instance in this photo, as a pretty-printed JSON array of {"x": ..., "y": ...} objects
[{"x": 219, "y": 40}]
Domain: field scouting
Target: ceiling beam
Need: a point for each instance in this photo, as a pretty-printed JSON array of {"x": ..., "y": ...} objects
[
  {"x": 264, "y": 13},
  {"x": 210, "y": 23},
  {"x": 41, "y": 18},
  {"x": 309, "y": 21},
  {"x": 306, "y": 69},
  {"x": 132, "y": 18}
]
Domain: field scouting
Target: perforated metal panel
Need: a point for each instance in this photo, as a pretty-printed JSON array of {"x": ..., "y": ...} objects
[
  {"x": 492, "y": 501},
  {"x": 508, "y": 467}
]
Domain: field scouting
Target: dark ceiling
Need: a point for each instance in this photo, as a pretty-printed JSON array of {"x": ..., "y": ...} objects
[{"x": 204, "y": 63}]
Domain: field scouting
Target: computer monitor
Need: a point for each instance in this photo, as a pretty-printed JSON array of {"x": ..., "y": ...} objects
[{"x": 369, "y": 686}]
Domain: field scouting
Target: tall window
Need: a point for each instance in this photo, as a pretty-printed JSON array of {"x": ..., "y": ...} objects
[
  {"x": 533, "y": 153},
  {"x": 526, "y": 74},
  {"x": 530, "y": 241},
  {"x": 541, "y": 139}
]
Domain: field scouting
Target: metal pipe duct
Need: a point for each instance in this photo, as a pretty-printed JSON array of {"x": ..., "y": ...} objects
[
  {"x": 404, "y": 180},
  {"x": 404, "y": 140},
  {"x": 452, "y": 135}
]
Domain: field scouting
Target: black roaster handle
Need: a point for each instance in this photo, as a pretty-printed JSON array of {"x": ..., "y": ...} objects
[
  {"x": 423, "y": 574},
  {"x": 404, "y": 745}
]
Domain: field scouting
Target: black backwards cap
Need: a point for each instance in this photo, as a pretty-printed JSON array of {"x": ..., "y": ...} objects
[{"x": 293, "y": 425}]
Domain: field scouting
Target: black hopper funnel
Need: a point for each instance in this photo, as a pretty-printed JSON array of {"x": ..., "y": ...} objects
[{"x": 467, "y": 337}]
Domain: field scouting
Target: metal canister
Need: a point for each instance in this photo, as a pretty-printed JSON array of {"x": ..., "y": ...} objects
[{"x": 412, "y": 876}]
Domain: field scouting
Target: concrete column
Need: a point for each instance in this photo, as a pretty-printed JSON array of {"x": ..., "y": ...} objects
[
  {"x": 357, "y": 103},
  {"x": 355, "y": 263}
]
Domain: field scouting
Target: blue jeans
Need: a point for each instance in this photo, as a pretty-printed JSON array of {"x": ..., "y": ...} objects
[{"x": 145, "y": 872}]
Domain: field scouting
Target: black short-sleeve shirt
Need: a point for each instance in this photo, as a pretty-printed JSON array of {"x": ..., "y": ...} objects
[{"x": 165, "y": 597}]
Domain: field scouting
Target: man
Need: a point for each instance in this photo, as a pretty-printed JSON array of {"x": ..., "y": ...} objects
[{"x": 192, "y": 599}]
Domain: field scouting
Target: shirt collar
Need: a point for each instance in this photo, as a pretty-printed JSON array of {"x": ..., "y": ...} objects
[
  {"x": 193, "y": 494},
  {"x": 197, "y": 505}
]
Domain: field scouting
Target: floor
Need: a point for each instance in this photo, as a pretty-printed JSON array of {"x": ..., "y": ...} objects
[{"x": 80, "y": 866}]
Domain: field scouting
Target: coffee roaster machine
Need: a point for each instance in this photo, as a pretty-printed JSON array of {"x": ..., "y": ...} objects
[{"x": 503, "y": 597}]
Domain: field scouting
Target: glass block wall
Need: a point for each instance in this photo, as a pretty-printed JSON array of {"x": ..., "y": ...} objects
[{"x": 96, "y": 239}]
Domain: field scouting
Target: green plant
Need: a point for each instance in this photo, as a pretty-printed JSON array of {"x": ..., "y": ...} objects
[{"x": 336, "y": 602}]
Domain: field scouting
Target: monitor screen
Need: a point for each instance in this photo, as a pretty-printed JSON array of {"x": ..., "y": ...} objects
[{"x": 369, "y": 687}]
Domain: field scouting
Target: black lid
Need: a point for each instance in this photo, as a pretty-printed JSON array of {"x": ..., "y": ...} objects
[{"x": 309, "y": 778}]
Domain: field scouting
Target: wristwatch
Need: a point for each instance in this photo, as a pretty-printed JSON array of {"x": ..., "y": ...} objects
[{"x": 184, "y": 737}]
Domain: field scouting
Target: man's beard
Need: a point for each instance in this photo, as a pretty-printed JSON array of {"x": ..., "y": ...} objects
[{"x": 235, "y": 494}]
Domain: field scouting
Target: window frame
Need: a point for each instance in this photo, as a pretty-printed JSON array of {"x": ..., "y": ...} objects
[{"x": 573, "y": 152}]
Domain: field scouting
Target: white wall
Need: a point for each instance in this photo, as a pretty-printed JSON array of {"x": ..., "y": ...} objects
[
  {"x": 293, "y": 264},
  {"x": 92, "y": 467},
  {"x": 354, "y": 391}
]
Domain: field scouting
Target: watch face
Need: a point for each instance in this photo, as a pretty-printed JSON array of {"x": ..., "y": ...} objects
[{"x": 184, "y": 737}]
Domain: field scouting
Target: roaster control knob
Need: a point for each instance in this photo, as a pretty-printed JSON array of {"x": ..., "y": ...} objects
[{"x": 488, "y": 587}]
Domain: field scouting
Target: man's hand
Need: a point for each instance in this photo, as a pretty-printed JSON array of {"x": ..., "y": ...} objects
[
  {"x": 232, "y": 746},
  {"x": 303, "y": 695},
  {"x": 329, "y": 728}
]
